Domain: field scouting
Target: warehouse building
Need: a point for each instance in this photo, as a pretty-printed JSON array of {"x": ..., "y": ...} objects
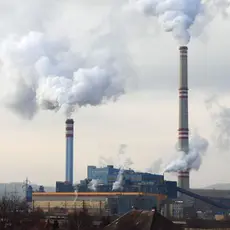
[{"x": 96, "y": 203}]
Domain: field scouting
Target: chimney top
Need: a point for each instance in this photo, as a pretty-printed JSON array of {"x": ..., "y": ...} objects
[
  {"x": 69, "y": 121},
  {"x": 183, "y": 48}
]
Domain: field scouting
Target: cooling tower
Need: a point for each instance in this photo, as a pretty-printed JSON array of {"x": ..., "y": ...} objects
[
  {"x": 183, "y": 131},
  {"x": 69, "y": 150}
]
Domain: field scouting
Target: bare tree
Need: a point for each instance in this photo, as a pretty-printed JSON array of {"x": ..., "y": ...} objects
[
  {"x": 14, "y": 214},
  {"x": 80, "y": 221}
]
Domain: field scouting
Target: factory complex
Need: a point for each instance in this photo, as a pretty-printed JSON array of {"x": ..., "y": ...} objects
[
  {"x": 140, "y": 190},
  {"x": 98, "y": 195}
]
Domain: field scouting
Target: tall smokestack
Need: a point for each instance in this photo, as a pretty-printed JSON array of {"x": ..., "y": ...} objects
[
  {"x": 183, "y": 131},
  {"x": 69, "y": 150}
]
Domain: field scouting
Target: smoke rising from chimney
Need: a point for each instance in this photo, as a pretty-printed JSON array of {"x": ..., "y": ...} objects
[
  {"x": 178, "y": 16},
  {"x": 44, "y": 74},
  {"x": 93, "y": 184},
  {"x": 124, "y": 163},
  {"x": 193, "y": 159}
]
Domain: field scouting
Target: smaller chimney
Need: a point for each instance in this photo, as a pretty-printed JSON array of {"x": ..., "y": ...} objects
[{"x": 69, "y": 150}]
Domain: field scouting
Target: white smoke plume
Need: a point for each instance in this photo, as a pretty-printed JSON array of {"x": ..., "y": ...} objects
[
  {"x": 93, "y": 184},
  {"x": 76, "y": 194},
  {"x": 124, "y": 163},
  {"x": 117, "y": 185},
  {"x": 63, "y": 69},
  {"x": 192, "y": 160},
  {"x": 40, "y": 73},
  {"x": 220, "y": 114},
  {"x": 178, "y": 16}
]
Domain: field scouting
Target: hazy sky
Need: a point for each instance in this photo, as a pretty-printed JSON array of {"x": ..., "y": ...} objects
[{"x": 145, "y": 118}]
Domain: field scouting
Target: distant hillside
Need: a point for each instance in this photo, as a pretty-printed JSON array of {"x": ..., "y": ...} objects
[
  {"x": 17, "y": 188},
  {"x": 219, "y": 186}
]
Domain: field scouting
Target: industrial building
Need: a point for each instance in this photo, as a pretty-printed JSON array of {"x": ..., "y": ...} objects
[
  {"x": 96, "y": 203},
  {"x": 142, "y": 190}
]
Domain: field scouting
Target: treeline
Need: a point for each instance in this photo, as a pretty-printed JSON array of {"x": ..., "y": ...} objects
[{"x": 15, "y": 214}]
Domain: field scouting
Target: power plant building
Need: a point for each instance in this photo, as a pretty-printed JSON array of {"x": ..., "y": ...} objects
[
  {"x": 142, "y": 190},
  {"x": 108, "y": 175}
]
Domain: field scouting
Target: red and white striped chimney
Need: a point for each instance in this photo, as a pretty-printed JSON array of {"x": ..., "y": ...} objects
[
  {"x": 69, "y": 150},
  {"x": 183, "y": 131}
]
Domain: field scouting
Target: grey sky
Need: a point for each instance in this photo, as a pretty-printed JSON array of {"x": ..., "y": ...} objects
[{"x": 145, "y": 118}]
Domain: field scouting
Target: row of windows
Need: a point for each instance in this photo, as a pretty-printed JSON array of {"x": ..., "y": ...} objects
[{"x": 69, "y": 204}]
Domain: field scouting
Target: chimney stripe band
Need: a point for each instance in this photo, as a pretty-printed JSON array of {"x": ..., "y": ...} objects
[
  {"x": 183, "y": 134},
  {"x": 183, "y": 88},
  {"x": 69, "y": 132},
  {"x": 69, "y": 128}
]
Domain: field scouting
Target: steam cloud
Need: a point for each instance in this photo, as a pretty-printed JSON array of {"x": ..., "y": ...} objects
[
  {"x": 178, "y": 16},
  {"x": 221, "y": 116},
  {"x": 44, "y": 74},
  {"x": 124, "y": 163},
  {"x": 93, "y": 184},
  {"x": 192, "y": 160}
]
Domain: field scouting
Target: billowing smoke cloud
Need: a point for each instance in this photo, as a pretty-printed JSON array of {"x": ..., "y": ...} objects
[
  {"x": 40, "y": 73},
  {"x": 124, "y": 163},
  {"x": 46, "y": 69},
  {"x": 221, "y": 116},
  {"x": 93, "y": 184},
  {"x": 192, "y": 160},
  {"x": 177, "y": 16}
]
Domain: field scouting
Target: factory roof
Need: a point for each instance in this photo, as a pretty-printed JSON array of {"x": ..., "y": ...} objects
[{"x": 160, "y": 196}]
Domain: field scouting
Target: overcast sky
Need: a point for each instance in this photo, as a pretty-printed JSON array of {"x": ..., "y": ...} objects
[{"x": 145, "y": 118}]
